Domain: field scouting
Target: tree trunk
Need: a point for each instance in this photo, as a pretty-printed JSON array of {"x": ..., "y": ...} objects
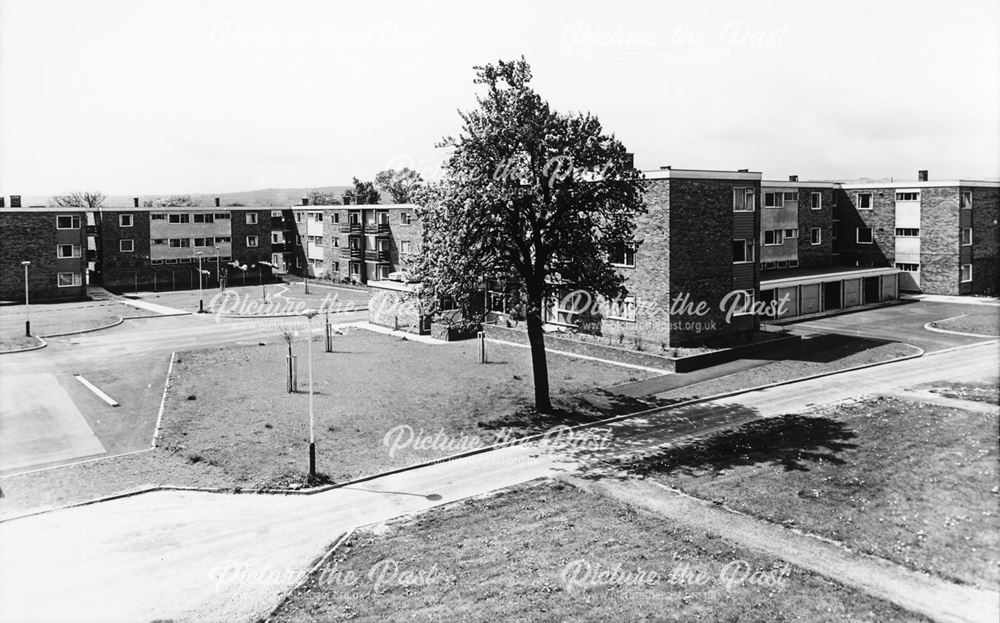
[{"x": 539, "y": 366}]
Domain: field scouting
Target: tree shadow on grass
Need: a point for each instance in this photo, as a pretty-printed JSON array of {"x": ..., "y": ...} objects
[{"x": 791, "y": 441}]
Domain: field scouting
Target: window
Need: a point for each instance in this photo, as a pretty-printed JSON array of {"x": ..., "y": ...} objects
[
  {"x": 966, "y": 236},
  {"x": 744, "y": 200},
  {"x": 157, "y": 217},
  {"x": 405, "y": 247},
  {"x": 791, "y": 233},
  {"x": 221, "y": 216},
  {"x": 777, "y": 199},
  {"x": 252, "y": 240},
  {"x": 223, "y": 239},
  {"x": 154, "y": 262},
  {"x": 126, "y": 246},
  {"x": 907, "y": 196},
  {"x": 622, "y": 309},
  {"x": 815, "y": 235},
  {"x": 159, "y": 241},
  {"x": 336, "y": 267},
  {"x": 252, "y": 219},
  {"x": 907, "y": 232},
  {"x": 180, "y": 243},
  {"x": 170, "y": 261},
  {"x": 67, "y": 222},
  {"x": 203, "y": 242},
  {"x": 404, "y": 218},
  {"x": 355, "y": 269},
  {"x": 793, "y": 263},
  {"x": 204, "y": 218},
  {"x": 336, "y": 242},
  {"x": 178, "y": 218},
  {"x": 67, "y": 250},
  {"x": 68, "y": 280},
  {"x": 742, "y": 251},
  {"x": 966, "y": 200},
  {"x": 864, "y": 201},
  {"x": 621, "y": 255},
  {"x": 834, "y": 229},
  {"x": 336, "y": 217},
  {"x": 966, "y": 273},
  {"x": 772, "y": 237},
  {"x": 865, "y": 235},
  {"x": 298, "y": 217},
  {"x": 317, "y": 240},
  {"x": 910, "y": 268},
  {"x": 125, "y": 220},
  {"x": 816, "y": 201},
  {"x": 742, "y": 302}
]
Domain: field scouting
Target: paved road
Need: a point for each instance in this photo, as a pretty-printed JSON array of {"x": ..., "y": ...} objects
[
  {"x": 156, "y": 555},
  {"x": 901, "y": 323},
  {"x": 48, "y": 419}
]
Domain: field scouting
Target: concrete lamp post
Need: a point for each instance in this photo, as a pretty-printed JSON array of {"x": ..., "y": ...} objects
[
  {"x": 27, "y": 308},
  {"x": 201, "y": 296},
  {"x": 312, "y": 420}
]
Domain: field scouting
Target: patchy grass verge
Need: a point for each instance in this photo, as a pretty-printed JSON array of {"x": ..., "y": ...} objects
[
  {"x": 554, "y": 553},
  {"x": 911, "y": 482}
]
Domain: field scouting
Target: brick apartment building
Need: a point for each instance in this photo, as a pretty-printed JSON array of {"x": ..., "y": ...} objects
[
  {"x": 141, "y": 248},
  {"x": 347, "y": 243},
  {"x": 54, "y": 240},
  {"x": 941, "y": 235}
]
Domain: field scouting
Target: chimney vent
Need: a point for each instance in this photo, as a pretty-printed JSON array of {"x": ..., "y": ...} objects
[
  {"x": 218, "y": 202},
  {"x": 793, "y": 178},
  {"x": 135, "y": 202},
  {"x": 742, "y": 170},
  {"x": 2, "y": 202},
  {"x": 15, "y": 201},
  {"x": 347, "y": 199},
  {"x": 305, "y": 201},
  {"x": 665, "y": 167},
  {"x": 922, "y": 175}
]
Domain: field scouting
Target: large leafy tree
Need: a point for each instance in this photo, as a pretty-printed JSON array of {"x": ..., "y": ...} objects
[
  {"x": 531, "y": 196},
  {"x": 362, "y": 193},
  {"x": 400, "y": 184},
  {"x": 81, "y": 199}
]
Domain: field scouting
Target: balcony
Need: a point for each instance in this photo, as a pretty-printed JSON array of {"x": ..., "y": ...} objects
[
  {"x": 350, "y": 228},
  {"x": 351, "y": 254},
  {"x": 376, "y": 256},
  {"x": 378, "y": 229}
]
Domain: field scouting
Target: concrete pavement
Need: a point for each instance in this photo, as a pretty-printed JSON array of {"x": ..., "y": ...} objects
[{"x": 154, "y": 555}]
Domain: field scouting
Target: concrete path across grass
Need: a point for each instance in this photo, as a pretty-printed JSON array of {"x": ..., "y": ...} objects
[
  {"x": 190, "y": 556},
  {"x": 153, "y": 307},
  {"x": 40, "y": 424},
  {"x": 917, "y": 592}
]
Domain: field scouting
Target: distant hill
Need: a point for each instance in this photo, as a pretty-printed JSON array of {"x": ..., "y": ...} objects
[{"x": 250, "y": 198}]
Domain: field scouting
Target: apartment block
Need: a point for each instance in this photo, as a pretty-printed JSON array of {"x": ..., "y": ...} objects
[
  {"x": 693, "y": 276},
  {"x": 941, "y": 235},
  {"x": 160, "y": 248},
  {"x": 352, "y": 243},
  {"x": 54, "y": 241}
]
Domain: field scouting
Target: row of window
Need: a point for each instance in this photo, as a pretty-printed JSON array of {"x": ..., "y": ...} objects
[
  {"x": 178, "y": 218},
  {"x": 744, "y": 199},
  {"x": 382, "y": 218},
  {"x": 865, "y": 200},
  {"x": 189, "y": 260},
  {"x": 127, "y": 245},
  {"x": 965, "y": 270}
]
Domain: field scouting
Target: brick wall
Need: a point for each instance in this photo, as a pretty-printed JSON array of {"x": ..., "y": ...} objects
[
  {"x": 985, "y": 241},
  {"x": 939, "y": 238},
  {"x": 810, "y": 255},
  {"x": 33, "y": 236},
  {"x": 881, "y": 218}
]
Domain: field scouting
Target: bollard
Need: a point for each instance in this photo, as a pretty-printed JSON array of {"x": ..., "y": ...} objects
[{"x": 482, "y": 347}]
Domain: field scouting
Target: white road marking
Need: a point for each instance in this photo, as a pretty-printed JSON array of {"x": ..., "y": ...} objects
[{"x": 108, "y": 399}]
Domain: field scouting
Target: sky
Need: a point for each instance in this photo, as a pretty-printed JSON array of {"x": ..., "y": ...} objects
[{"x": 178, "y": 96}]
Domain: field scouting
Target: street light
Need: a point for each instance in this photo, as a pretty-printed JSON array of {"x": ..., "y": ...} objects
[
  {"x": 312, "y": 420},
  {"x": 27, "y": 309},
  {"x": 201, "y": 299}
]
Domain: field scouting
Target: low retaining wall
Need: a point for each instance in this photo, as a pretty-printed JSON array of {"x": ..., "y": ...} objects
[{"x": 621, "y": 355}]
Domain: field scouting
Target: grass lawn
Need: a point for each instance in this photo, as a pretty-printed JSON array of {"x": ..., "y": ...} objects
[
  {"x": 849, "y": 352},
  {"x": 280, "y": 297},
  {"x": 47, "y": 319},
  {"x": 979, "y": 319},
  {"x": 523, "y": 555},
  {"x": 910, "y": 482},
  {"x": 228, "y": 407},
  {"x": 987, "y": 392}
]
